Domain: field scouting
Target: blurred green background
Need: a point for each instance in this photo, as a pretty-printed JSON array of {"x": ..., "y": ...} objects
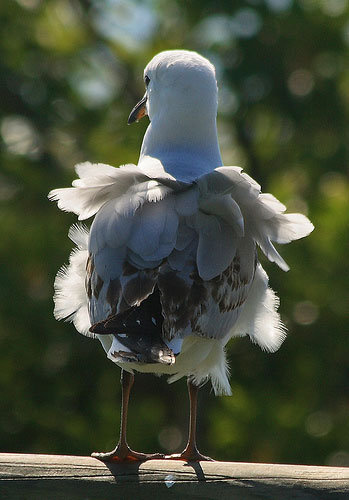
[{"x": 71, "y": 70}]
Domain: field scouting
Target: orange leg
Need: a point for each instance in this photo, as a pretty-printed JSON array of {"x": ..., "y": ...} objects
[
  {"x": 190, "y": 452},
  {"x": 122, "y": 452}
]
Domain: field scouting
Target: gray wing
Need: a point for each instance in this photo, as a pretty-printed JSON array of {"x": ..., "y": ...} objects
[{"x": 198, "y": 266}]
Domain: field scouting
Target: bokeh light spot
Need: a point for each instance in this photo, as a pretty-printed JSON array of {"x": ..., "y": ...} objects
[
  {"x": 228, "y": 102},
  {"x": 128, "y": 23},
  {"x": 334, "y": 8},
  {"x": 246, "y": 23},
  {"x": 333, "y": 185},
  {"x": 318, "y": 424},
  {"x": 279, "y": 5},
  {"x": 327, "y": 64},
  {"x": 214, "y": 30},
  {"x": 255, "y": 87},
  {"x": 300, "y": 82},
  {"x": 305, "y": 313},
  {"x": 19, "y": 136},
  {"x": 170, "y": 438},
  {"x": 338, "y": 458},
  {"x": 29, "y": 4}
]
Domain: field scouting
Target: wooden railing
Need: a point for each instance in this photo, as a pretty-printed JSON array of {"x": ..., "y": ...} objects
[{"x": 46, "y": 477}]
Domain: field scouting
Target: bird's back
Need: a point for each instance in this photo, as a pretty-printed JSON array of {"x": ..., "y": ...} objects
[
  {"x": 143, "y": 275},
  {"x": 167, "y": 261}
]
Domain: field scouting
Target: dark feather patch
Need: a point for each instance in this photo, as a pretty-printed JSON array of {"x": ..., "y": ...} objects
[
  {"x": 140, "y": 286},
  {"x": 139, "y": 328}
]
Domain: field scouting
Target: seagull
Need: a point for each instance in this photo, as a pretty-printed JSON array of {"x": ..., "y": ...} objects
[{"x": 168, "y": 271}]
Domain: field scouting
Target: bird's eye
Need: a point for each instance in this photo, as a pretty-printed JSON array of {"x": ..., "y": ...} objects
[{"x": 146, "y": 80}]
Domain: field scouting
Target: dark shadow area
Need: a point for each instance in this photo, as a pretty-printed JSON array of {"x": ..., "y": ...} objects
[{"x": 198, "y": 470}]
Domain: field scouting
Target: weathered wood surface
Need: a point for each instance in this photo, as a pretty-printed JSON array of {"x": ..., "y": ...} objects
[{"x": 33, "y": 477}]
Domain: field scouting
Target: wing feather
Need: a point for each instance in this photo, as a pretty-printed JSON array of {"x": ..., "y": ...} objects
[
  {"x": 216, "y": 247},
  {"x": 262, "y": 214},
  {"x": 194, "y": 243}
]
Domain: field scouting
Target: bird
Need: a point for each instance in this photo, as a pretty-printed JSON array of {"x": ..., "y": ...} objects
[{"x": 168, "y": 271}]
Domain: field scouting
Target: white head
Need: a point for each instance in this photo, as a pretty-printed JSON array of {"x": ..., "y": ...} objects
[{"x": 181, "y": 102}]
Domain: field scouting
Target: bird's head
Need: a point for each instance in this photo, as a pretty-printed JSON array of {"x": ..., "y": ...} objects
[{"x": 181, "y": 88}]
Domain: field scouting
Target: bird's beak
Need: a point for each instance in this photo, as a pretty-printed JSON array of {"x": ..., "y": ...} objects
[{"x": 138, "y": 111}]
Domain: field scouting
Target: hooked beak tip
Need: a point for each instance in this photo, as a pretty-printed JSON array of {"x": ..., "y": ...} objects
[{"x": 138, "y": 111}]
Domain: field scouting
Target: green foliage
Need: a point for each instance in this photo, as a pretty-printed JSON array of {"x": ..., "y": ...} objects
[{"x": 70, "y": 73}]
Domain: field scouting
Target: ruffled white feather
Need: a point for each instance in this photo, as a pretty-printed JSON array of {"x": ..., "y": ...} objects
[
  {"x": 149, "y": 216},
  {"x": 259, "y": 318},
  {"x": 71, "y": 303}
]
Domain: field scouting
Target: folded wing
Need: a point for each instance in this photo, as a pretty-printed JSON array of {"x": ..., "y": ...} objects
[{"x": 190, "y": 245}]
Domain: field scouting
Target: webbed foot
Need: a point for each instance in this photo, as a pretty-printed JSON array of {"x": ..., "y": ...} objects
[{"x": 125, "y": 454}]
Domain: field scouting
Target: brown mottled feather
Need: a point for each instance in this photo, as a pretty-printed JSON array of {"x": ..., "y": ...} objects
[{"x": 189, "y": 305}]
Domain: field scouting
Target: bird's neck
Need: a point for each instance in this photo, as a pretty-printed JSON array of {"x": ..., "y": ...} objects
[{"x": 185, "y": 152}]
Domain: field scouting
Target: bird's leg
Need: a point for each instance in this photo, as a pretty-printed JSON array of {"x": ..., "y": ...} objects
[
  {"x": 122, "y": 452},
  {"x": 190, "y": 452}
]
